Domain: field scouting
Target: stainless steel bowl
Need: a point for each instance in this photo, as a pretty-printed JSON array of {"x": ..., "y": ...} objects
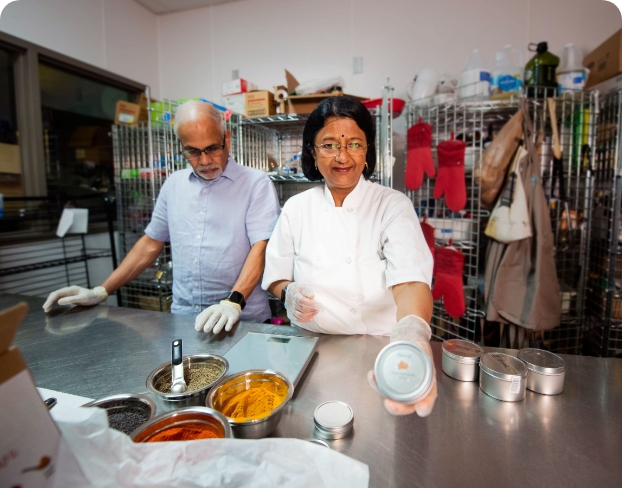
[
  {"x": 179, "y": 418},
  {"x": 170, "y": 401},
  {"x": 140, "y": 404},
  {"x": 245, "y": 380}
]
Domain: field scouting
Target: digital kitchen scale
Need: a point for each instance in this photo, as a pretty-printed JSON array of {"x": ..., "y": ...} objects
[{"x": 288, "y": 355}]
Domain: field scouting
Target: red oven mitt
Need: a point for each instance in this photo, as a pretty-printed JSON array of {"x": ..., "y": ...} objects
[
  {"x": 419, "y": 155},
  {"x": 450, "y": 179},
  {"x": 448, "y": 265},
  {"x": 428, "y": 233}
]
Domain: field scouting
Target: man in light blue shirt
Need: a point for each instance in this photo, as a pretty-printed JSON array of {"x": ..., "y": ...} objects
[{"x": 218, "y": 217}]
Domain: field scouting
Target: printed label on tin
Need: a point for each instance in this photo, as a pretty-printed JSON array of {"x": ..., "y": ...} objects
[
  {"x": 463, "y": 348},
  {"x": 403, "y": 371},
  {"x": 508, "y": 367},
  {"x": 515, "y": 386}
]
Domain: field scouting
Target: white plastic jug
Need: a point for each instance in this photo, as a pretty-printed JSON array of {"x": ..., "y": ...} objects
[
  {"x": 507, "y": 76},
  {"x": 571, "y": 74},
  {"x": 475, "y": 79}
]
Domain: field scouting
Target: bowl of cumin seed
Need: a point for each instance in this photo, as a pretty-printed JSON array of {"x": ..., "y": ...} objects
[{"x": 201, "y": 372}]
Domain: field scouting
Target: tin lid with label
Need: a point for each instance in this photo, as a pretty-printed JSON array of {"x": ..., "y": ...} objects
[
  {"x": 503, "y": 366},
  {"x": 541, "y": 361},
  {"x": 462, "y": 351},
  {"x": 333, "y": 417},
  {"x": 404, "y": 372}
]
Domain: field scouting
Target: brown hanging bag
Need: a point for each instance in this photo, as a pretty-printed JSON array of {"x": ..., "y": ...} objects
[{"x": 496, "y": 159}]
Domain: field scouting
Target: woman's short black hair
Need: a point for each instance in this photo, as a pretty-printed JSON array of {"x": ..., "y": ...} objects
[{"x": 339, "y": 107}]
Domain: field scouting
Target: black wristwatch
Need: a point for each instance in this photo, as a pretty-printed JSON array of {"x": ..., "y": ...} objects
[
  {"x": 237, "y": 297},
  {"x": 284, "y": 293}
]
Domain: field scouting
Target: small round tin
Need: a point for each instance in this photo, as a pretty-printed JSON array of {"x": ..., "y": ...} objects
[
  {"x": 461, "y": 359},
  {"x": 404, "y": 372},
  {"x": 503, "y": 376},
  {"x": 333, "y": 420},
  {"x": 547, "y": 371}
]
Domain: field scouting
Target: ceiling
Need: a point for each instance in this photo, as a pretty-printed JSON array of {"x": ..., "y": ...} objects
[{"x": 167, "y": 6}]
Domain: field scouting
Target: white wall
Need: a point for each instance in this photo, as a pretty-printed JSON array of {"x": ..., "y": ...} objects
[
  {"x": 199, "y": 48},
  {"x": 120, "y": 36}
]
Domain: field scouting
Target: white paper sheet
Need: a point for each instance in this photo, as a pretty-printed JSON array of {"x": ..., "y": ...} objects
[
  {"x": 65, "y": 399},
  {"x": 73, "y": 221},
  {"x": 108, "y": 458}
]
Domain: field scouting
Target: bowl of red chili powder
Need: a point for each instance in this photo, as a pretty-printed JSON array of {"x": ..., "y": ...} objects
[{"x": 184, "y": 424}]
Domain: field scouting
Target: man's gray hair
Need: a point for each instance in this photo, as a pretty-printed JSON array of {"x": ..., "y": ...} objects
[{"x": 194, "y": 109}]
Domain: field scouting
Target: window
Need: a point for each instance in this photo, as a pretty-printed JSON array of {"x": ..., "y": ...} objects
[
  {"x": 10, "y": 164},
  {"x": 77, "y": 113}
]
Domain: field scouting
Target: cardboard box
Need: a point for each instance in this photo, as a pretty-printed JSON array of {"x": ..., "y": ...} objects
[
  {"x": 10, "y": 161},
  {"x": 29, "y": 439},
  {"x": 235, "y": 87},
  {"x": 605, "y": 61},
  {"x": 236, "y": 103},
  {"x": 609, "y": 86},
  {"x": 260, "y": 104},
  {"x": 126, "y": 113},
  {"x": 304, "y": 104}
]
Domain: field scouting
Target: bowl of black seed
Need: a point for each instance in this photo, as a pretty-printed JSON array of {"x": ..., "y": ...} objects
[
  {"x": 201, "y": 372},
  {"x": 126, "y": 412}
]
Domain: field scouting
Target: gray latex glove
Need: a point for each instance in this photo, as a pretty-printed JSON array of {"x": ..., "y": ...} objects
[
  {"x": 215, "y": 317},
  {"x": 416, "y": 330},
  {"x": 76, "y": 295},
  {"x": 300, "y": 303}
]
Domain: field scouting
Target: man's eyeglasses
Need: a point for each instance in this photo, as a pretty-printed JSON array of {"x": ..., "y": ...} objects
[
  {"x": 332, "y": 149},
  {"x": 193, "y": 153}
]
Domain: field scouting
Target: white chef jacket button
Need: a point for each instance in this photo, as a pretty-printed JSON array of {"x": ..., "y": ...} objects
[
  {"x": 201, "y": 213},
  {"x": 196, "y": 284},
  {"x": 196, "y": 307},
  {"x": 349, "y": 210},
  {"x": 198, "y": 236},
  {"x": 196, "y": 260},
  {"x": 348, "y": 261},
  {"x": 353, "y": 310}
]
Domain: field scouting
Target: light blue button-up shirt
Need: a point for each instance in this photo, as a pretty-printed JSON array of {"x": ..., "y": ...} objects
[{"x": 211, "y": 226}]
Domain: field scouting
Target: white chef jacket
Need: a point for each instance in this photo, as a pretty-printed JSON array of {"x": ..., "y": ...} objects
[{"x": 349, "y": 255}]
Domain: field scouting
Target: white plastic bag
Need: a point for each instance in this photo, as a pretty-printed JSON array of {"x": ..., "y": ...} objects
[
  {"x": 509, "y": 220},
  {"x": 316, "y": 86}
]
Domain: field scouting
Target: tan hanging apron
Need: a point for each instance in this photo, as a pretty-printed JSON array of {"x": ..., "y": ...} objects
[{"x": 521, "y": 279}]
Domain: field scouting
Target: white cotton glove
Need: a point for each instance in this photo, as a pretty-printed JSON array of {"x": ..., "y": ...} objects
[
  {"x": 300, "y": 303},
  {"x": 76, "y": 295},
  {"x": 416, "y": 330},
  {"x": 224, "y": 314}
]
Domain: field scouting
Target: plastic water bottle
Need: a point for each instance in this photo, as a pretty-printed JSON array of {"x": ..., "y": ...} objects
[
  {"x": 475, "y": 79},
  {"x": 507, "y": 76},
  {"x": 571, "y": 74}
]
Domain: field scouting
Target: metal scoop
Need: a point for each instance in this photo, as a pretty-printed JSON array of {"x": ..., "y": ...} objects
[{"x": 177, "y": 369}]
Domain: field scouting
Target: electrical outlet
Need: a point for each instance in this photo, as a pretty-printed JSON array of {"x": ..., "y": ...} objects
[
  {"x": 357, "y": 65},
  {"x": 235, "y": 74}
]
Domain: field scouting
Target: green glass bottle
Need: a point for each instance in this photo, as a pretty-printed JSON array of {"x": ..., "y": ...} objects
[{"x": 540, "y": 76}]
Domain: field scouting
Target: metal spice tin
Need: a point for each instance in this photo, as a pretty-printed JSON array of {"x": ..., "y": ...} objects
[
  {"x": 547, "y": 371},
  {"x": 461, "y": 359},
  {"x": 404, "y": 372},
  {"x": 503, "y": 377},
  {"x": 333, "y": 420}
]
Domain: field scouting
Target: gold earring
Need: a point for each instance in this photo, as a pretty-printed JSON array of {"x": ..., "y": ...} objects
[{"x": 366, "y": 167}]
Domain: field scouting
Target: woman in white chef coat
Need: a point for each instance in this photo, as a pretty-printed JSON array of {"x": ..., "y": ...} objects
[{"x": 349, "y": 257}]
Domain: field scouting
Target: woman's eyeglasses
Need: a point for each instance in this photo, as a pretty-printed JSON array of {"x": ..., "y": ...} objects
[
  {"x": 192, "y": 153},
  {"x": 332, "y": 149}
]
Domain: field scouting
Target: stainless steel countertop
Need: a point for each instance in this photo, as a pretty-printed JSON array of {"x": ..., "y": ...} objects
[{"x": 470, "y": 439}]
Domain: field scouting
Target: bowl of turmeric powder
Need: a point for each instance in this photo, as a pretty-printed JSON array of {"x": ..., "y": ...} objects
[
  {"x": 253, "y": 401},
  {"x": 184, "y": 424}
]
